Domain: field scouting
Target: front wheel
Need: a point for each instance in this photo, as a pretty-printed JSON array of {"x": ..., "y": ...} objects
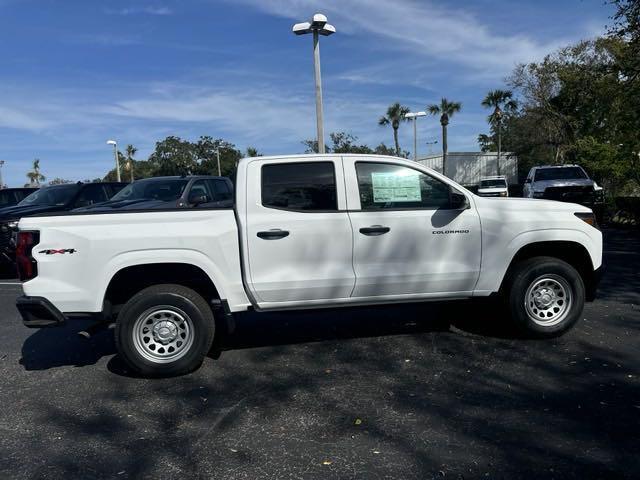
[
  {"x": 546, "y": 297},
  {"x": 164, "y": 330}
]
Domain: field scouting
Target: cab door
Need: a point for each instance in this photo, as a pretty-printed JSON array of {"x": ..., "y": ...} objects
[
  {"x": 408, "y": 236},
  {"x": 298, "y": 233}
]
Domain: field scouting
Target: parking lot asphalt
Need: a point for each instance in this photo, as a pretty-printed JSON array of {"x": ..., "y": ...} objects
[{"x": 415, "y": 391}]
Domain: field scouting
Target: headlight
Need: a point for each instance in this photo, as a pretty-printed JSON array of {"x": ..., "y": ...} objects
[
  {"x": 503, "y": 194},
  {"x": 538, "y": 194},
  {"x": 8, "y": 226}
]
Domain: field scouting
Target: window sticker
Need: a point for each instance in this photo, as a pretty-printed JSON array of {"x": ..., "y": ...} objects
[{"x": 396, "y": 186}]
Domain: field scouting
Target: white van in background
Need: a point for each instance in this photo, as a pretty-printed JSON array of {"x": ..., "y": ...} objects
[{"x": 495, "y": 186}]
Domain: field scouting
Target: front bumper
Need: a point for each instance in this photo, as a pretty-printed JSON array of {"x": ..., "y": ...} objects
[{"x": 38, "y": 312}]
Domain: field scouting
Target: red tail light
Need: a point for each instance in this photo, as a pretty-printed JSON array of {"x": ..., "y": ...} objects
[{"x": 26, "y": 264}]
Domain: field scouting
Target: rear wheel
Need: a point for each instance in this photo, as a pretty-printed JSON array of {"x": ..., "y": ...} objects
[
  {"x": 164, "y": 330},
  {"x": 546, "y": 297}
]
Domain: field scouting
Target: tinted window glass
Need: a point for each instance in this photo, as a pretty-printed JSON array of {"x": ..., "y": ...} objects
[
  {"x": 114, "y": 188},
  {"x": 559, "y": 173},
  {"x": 90, "y": 195},
  {"x": 221, "y": 190},
  {"x": 200, "y": 188},
  {"x": 299, "y": 186},
  {"x": 6, "y": 198},
  {"x": 58, "y": 195},
  {"x": 387, "y": 186},
  {"x": 493, "y": 183},
  {"x": 165, "y": 189}
]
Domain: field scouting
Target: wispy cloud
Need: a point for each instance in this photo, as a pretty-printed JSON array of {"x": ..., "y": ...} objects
[
  {"x": 422, "y": 28},
  {"x": 144, "y": 10}
]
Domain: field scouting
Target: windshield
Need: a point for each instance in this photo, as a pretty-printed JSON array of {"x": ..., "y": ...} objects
[
  {"x": 160, "y": 189},
  {"x": 497, "y": 182},
  {"x": 560, "y": 173},
  {"x": 50, "y": 196}
]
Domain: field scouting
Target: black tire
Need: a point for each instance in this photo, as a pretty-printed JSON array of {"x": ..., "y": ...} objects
[
  {"x": 537, "y": 289},
  {"x": 175, "y": 313}
]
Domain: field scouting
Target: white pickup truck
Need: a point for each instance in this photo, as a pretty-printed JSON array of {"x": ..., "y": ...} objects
[{"x": 306, "y": 231}]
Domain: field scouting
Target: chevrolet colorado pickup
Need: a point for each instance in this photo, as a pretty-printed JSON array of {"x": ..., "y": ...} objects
[{"x": 306, "y": 231}]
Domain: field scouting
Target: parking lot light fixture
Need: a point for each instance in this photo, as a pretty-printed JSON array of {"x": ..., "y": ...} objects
[
  {"x": 115, "y": 155},
  {"x": 414, "y": 116},
  {"x": 317, "y": 26}
]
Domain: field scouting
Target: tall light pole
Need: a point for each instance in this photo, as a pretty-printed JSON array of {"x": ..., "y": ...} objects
[
  {"x": 318, "y": 26},
  {"x": 220, "y": 145},
  {"x": 431, "y": 143},
  {"x": 1, "y": 182},
  {"x": 115, "y": 155},
  {"x": 414, "y": 116}
]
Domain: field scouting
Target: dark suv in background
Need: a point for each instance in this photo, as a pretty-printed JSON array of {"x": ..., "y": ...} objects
[
  {"x": 170, "y": 192},
  {"x": 53, "y": 198},
  {"x": 11, "y": 196}
]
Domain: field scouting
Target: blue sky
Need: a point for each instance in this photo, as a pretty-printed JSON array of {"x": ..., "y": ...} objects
[{"x": 76, "y": 73}]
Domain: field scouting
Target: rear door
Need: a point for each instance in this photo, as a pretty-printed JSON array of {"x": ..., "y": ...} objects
[
  {"x": 299, "y": 241},
  {"x": 407, "y": 238}
]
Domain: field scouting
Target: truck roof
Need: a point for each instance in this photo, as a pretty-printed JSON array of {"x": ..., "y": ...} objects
[
  {"x": 557, "y": 166},
  {"x": 320, "y": 155}
]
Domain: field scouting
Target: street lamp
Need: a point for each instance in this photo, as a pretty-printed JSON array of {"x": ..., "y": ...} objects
[
  {"x": 1, "y": 182},
  {"x": 318, "y": 26},
  {"x": 431, "y": 143},
  {"x": 221, "y": 144},
  {"x": 115, "y": 155},
  {"x": 414, "y": 116}
]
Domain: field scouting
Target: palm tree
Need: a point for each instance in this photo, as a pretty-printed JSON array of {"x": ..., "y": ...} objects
[
  {"x": 500, "y": 101},
  {"x": 34, "y": 176},
  {"x": 395, "y": 114},
  {"x": 130, "y": 152},
  {"x": 446, "y": 110}
]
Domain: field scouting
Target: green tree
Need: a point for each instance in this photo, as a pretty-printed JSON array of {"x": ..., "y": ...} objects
[
  {"x": 253, "y": 152},
  {"x": 207, "y": 149},
  {"x": 35, "y": 176},
  {"x": 500, "y": 101},
  {"x": 174, "y": 156},
  {"x": 130, "y": 152},
  {"x": 445, "y": 109},
  {"x": 59, "y": 181},
  {"x": 395, "y": 115}
]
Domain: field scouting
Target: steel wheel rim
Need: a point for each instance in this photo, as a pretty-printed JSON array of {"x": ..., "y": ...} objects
[
  {"x": 548, "y": 300},
  {"x": 163, "y": 334}
]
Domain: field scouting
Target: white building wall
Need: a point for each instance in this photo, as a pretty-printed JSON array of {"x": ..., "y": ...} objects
[{"x": 467, "y": 168}]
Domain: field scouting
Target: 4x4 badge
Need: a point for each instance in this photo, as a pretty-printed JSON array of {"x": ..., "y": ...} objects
[{"x": 64, "y": 250}]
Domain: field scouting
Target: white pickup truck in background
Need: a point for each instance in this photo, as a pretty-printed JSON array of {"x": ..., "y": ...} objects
[{"x": 306, "y": 231}]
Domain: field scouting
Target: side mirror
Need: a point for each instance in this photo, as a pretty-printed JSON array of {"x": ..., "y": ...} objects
[
  {"x": 457, "y": 201},
  {"x": 528, "y": 180},
  {"x": 197, "y": 199}
]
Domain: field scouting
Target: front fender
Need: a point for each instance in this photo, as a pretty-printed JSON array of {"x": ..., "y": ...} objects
[{"x": 496, "y": 258}]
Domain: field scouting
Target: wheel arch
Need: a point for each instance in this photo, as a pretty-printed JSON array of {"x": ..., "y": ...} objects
[
  {"x": 571, "y": 252},
  {"x": 130, "y": 279}
]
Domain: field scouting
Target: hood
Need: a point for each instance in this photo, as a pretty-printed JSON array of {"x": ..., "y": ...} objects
[
  {"x": 18, "y": 211},
  {"x": 526, "y": 204},
  {"x": 492, "y": 189},
  {"x": 578, "y": 182},
  {"x": 142, "y": 204}
]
